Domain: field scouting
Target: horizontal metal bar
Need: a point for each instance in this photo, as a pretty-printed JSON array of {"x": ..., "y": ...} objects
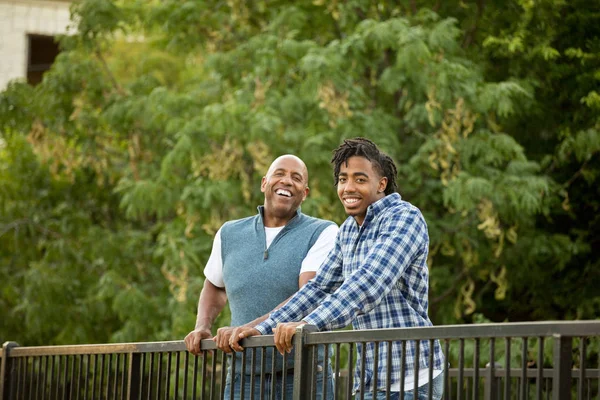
[
  {"x": 516, "y": 372},
  {"x": 141, "y": 347},
  {"x": 514, "y": 329}
]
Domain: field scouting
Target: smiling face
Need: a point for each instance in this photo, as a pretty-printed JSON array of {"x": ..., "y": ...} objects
[
  {"x": 359, "y": 185},
  {"x": 285, "y": 187}
]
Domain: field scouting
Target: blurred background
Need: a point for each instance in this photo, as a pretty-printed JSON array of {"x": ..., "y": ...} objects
[{"x": 131, "y": 130}]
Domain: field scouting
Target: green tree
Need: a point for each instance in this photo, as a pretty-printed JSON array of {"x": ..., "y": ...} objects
[{"x": 158, "y": 119}]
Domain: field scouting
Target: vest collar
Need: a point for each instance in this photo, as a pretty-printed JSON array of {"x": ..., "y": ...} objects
[{"x": 295, "y": 219}]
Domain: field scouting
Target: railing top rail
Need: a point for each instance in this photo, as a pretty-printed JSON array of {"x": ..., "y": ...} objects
[
  {"x": 516, "y": 329},
  {"x": 125, "y": 348},
  {"x": 484, "y": 331}
]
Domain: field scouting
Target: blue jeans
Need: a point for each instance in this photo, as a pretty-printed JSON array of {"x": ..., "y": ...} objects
[
  {"x": 422, "y": 392},
  {"x": 267, "y": 386}
]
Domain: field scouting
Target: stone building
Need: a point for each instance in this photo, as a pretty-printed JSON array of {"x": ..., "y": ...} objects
[{"x": 27, "y": 31}]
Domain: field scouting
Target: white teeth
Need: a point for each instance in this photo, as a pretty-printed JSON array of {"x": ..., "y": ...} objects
[
  {"x": 351, "y": 201},
  {"x": 284, "y": 192}
]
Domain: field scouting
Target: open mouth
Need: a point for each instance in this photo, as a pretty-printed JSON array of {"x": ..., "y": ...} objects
[
  {"x": 351, "y": 200},
  {"x": 283, "y": 192}
]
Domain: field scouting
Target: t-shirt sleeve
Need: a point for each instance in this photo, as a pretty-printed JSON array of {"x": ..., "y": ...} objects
[
  {"x": 319, "y": 251},
  {"x": 214, "y": 266}
]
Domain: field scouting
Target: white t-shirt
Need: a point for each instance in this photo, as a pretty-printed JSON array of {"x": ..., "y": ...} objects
[{"x": 313, "y": 260}]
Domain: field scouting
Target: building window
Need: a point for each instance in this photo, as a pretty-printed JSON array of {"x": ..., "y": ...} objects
[{"x": 42, "y": 52}]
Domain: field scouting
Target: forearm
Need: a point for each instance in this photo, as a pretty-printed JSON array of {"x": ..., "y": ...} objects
[
  {"x": 211, "y": 303},
  {"x": 260, "y": 319},
  {"x": 302, "y": 280}
]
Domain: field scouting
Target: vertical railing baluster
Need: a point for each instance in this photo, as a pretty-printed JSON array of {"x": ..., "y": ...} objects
[
  {"x": 168, "y": 375},
  {"x": 86, "y": 376},
  {"x": 7, "y": 369},
  {"x": 32, "y": 374},
  {"x": 195, "y": 379},
  {"x": 51, "y": 360},
  {"x": 177, "y": 365},
  {"x": 582, "y": 355},
  {"x": 388, "y": 375},
  {"x": 24, "y": 380},
  {"x": 186, "y": 360},
  {"x": 338, "y": 387},
  {"x": 37, "y": 372},
  {"x": 116, "y": 380},
  {"x": 150, "y": 373},
  {"x": 561, "y": 379},
  {"x": 313, "y": 383},
  {"x": 303, "y": 367},
  {"x": 461, "y": 368},
  {"x": 363, "y": 357},
  {"x": 430, "y": 377},
  {"x": 350, "y": 383},
  {"x": 134, "y": 376},
  {"x": 44, "y": 375},
  {"x": 124, "y": 372},
  {"x": 540, "y": 368},
  {"x": 326, "y": 368},
  {"x": 476, "y": 370},
  {"x": 18, "y": 365},
  {"x": 213, "y": 376},
  {"x": 375, "y": 370},
  {"x": 102, "y": 365},
  {"x": 490, "y": 382},
  {"x": 242, "y": 375},
  {"x": 273, "y": 375},
  {"x": 524, "y": 380},
  {"x": 108, "y": 375},
  {"x": 263, "y": 366},
  {"x": 73, "y": 381},
  {"x": 447, "y": 390},
  {"x": 232, "y": 378},
  {"x": 283, "y": 377},
  {"x": 144, "y": 357},
  {"x": 416, "y": 367},
  {"x": 223, "y": 373},
  {"x": 159, "y": 375},
  {"x": 507, "y": 368},
  {"x": 80, "y": 376},
  {"x": 252, "y": 372},
  {"x": 94, "y": 374}
]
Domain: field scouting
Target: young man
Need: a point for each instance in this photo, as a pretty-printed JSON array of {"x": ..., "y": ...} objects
[
  {"x": 375, "y": 277},
  {"x": 257, "y": 263}
]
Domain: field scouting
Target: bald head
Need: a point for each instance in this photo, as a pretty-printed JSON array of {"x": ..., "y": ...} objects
[{"x": 289, "y": 160}]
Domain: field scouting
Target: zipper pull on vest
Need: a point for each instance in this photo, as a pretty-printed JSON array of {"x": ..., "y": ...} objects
[{"x": 266, "y": 254}]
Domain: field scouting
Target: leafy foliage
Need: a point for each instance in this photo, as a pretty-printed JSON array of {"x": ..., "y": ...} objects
[{"x": 158, "y": 119}]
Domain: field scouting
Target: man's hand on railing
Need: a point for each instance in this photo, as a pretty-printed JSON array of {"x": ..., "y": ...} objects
[
  {"x": 193, "y": 339},
  {"x": 223, "y": 338},
  {"x": 240, "y": 333},
  {"x": 284, "y": 332}
]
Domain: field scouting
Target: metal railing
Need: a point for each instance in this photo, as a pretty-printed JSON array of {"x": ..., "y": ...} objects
[{"x": 543, "y": 360}]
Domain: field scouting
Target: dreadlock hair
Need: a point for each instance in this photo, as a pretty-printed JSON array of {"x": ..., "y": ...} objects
[{"x": 362, "y": 147}]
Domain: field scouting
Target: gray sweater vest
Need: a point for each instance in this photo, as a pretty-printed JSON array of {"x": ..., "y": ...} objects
[{"x": 258, "y": 279}]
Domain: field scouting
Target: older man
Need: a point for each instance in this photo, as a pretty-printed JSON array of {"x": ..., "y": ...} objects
[{"x": 258, "y": 263}]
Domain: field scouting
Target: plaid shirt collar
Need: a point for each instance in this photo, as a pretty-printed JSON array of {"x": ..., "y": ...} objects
[{"x": 379, "y": 206}]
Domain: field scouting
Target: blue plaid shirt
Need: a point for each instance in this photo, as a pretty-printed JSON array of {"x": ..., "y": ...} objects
[{"x": 375, "y": 277}]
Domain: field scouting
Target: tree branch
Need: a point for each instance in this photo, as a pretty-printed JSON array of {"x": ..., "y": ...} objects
[
  {"x": 470, "y": 36},
  {"x": 109, "y": 73},
  {"x": 413, "y": 6},
  {"x": 26, "y": 221}
]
